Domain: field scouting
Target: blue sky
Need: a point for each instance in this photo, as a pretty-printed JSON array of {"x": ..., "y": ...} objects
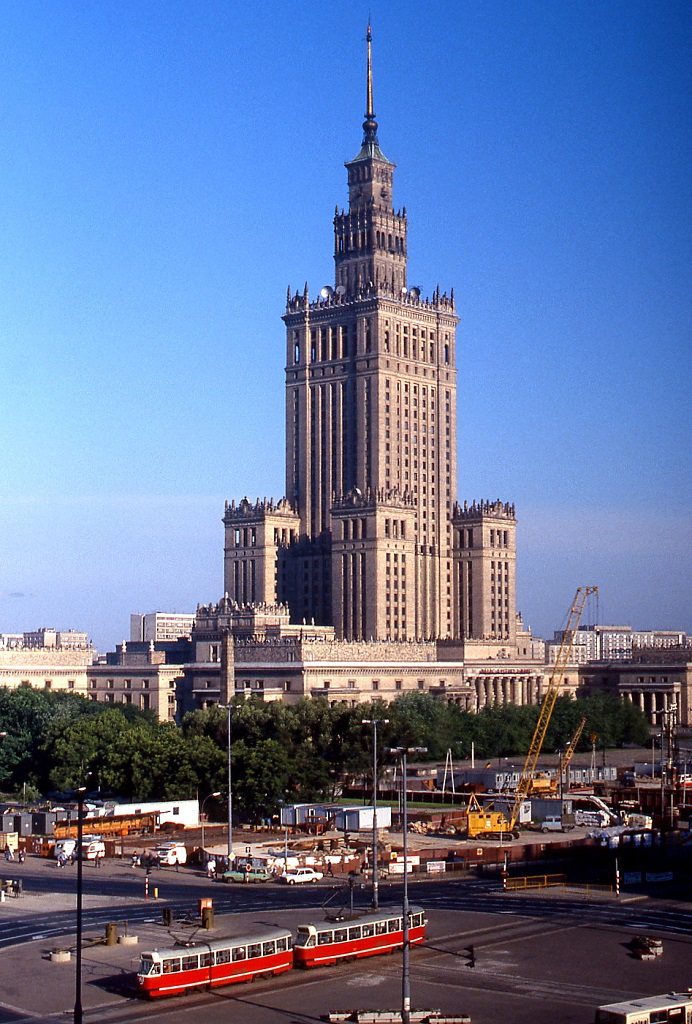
[{"x": 169, "y": 168}]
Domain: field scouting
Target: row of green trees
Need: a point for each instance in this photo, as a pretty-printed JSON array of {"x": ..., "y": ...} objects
[{"x": 298, "y": 752}]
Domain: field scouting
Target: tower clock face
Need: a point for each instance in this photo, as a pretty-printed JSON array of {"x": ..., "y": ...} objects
[{"x": 384, "y": 193}]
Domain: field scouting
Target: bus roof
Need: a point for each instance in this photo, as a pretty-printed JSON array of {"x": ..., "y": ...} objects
[
  {"x": 259, "y": 935},
  {"x": 650, "y": 1002}
]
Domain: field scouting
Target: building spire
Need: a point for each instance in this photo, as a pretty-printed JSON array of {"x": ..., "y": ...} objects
[
  {"x": 370, "y": 124},
  {"x": 369, "y": 113}
]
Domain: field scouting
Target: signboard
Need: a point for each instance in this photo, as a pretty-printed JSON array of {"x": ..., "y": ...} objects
[
  {"x": 631, "y": 877},
  {"x": 659, "y": 876},
  {"x": 436, "y": 866}
]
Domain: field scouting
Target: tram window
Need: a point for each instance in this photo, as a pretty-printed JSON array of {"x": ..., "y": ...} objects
[
  {"x": 171, "y": 966},
  {"x": 354, "y": 933},
  {"x": 415, "y": 920},
  {"x": 380, "y": 927},
  {"x": 281, "y": 945},
  {"x": 190, "y": 963},
  {"x": 268, "y": 948},
  {"x": 394, "y": 925},
  {"x": 240, "y": 953},
  {"x": 325, "y": 938},
  {"x": 147, "y": 966},
  {"x": 206, "y": 959},
  {"x": 223, "y": 956},
  {"x": 368, "y": 929},
  {"x": 255, "y": 949},
  {"x": 340, "y": 935},
  {"x": 302, "y": 936}
]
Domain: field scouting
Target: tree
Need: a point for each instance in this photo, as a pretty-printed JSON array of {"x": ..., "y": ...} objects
[{"x": 260, "y": 778}]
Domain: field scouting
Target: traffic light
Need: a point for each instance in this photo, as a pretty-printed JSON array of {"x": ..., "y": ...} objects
[{"x": 471, "y": 962}]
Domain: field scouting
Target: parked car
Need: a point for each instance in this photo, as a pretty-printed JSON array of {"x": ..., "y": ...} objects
[
  {"x": 170, "y": 854},
  {"x": 555, "y": 823},
  {"x": 246, "y": 875},
  {"x": 301, "y": 875}
]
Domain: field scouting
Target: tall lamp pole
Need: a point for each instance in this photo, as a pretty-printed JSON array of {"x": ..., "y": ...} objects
[
  {"x": 78, "y": 1014},
  {"x": 229, "y": 709},
  {"x": 406, "y": 971},
  {"x": 406, "y": 965},
  {"x": 374, "y": 722}
]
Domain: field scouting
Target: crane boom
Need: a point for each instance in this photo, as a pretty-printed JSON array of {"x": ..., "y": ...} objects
[
  {"x": 568, "y": 754},
  {"x": 556, "y": 677}
]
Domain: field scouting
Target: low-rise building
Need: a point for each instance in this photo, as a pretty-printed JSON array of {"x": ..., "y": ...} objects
[
  {"x": 655, "y": 679},
  {"x": 46, "y": 668},
  {"x": 145, "y": 675},
  {"x": 159, "y": 627},
  {"x": 256, "y": 651}
]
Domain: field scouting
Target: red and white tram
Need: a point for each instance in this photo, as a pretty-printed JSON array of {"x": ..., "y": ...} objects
[
  {"x": 378, "y": 932},
  {"x": 166, "y": 972}
]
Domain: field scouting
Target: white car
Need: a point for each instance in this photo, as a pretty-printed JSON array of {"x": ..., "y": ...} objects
[
  {"x": 302, "y": 875},
  {"x": 171, "y": 854}
]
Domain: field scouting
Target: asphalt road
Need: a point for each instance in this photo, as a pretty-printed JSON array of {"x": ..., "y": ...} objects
[{"x": 549, "y": 958}]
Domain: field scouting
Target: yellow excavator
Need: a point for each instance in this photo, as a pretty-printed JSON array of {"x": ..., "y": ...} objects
[{"x": 487, "y": 823}]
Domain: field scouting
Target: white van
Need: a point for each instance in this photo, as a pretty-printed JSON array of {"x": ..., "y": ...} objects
[
  {"x": 93, "y": 847},
  {"x": 171, "y": 854}
]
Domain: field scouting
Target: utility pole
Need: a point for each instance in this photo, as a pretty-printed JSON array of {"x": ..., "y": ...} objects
[
  {"x": 374, "y": 722},
  {"x": 78, "y": 1013},
  {"x": 229, "y": 709},
  {"x": 405, "y": 915}
]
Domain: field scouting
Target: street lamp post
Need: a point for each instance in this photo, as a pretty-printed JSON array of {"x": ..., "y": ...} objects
[
  {"x": 209, "y": 796},
  {"x": 229, "y": 709},
  {"x": 374, "y": 722},
  {"x": 78, "y": 1014},
  {"x": 406, "y": 964},
  {"x": 406, "y": 972}
]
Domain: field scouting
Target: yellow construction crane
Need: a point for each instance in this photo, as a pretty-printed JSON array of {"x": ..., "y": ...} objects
[
  {"x": 485, "y": 821},
  {"x": 568, "y": 754}
]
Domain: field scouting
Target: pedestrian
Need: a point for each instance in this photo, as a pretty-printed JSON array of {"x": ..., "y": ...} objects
[
  {"x": 329, "y": 869},
  {"x": 134, "y": 860},
  {"x": 8, "y": 854},
  {"x": 22, "y": 856},
  {"x": 211, "y": 868}
]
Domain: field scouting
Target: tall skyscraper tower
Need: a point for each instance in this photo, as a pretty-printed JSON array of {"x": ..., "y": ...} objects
[
  {"x": 370, "y": 420},
  {"x": 363, "y": 539}
]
